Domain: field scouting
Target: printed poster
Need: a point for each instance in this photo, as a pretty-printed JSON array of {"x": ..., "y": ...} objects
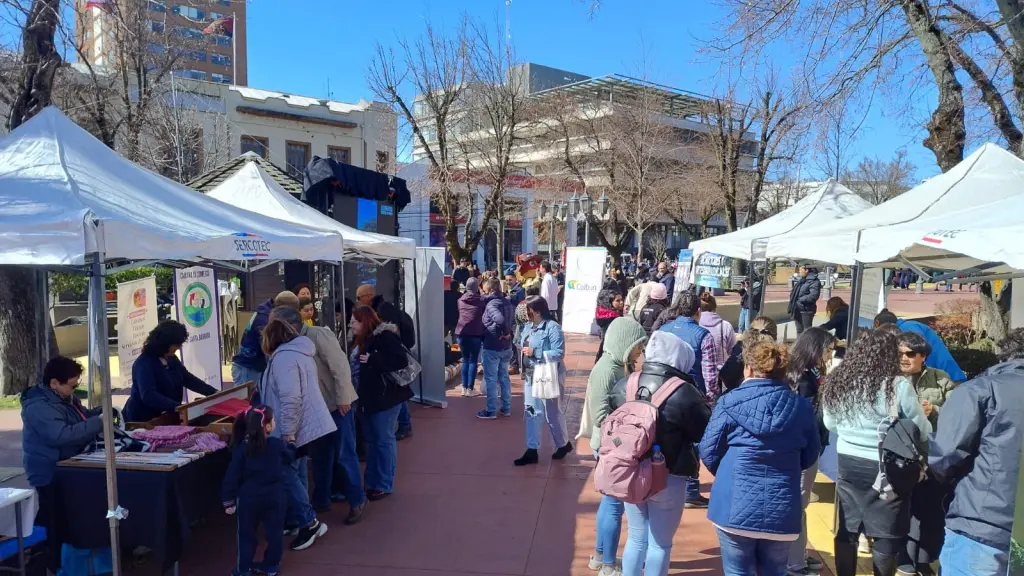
[
  {"x": 584, "y": 276},
  {"x": 714, "y": 271},
  {"x": 683, "y": 269},
  {"x": 136, "y": 317},
  {"x": 196, "y": 303}
]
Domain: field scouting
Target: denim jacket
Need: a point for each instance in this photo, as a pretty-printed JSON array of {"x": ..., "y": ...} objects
[{"x": 546, "y": 341}]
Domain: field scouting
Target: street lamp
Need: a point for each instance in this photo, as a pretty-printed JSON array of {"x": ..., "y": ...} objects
[
  {"x": 584, "y": 208},
  {"x": 602, "y": 204}
]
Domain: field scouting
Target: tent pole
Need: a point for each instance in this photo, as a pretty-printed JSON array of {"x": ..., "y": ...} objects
[
  {"x": 99, "y": 375},
  {"x": 345, "y": 312},
  {"x": 416, "y": 298},
  {"x": 854, "y": 317}
]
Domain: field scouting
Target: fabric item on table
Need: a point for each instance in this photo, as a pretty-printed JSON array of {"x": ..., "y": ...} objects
[
  {"x": 230, "y": 407},
  {"x": 187, "y": 438}
]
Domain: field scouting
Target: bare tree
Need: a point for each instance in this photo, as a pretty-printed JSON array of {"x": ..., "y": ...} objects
[
  {"x": 699, "y": 198},
  {"x": 657, "y": 242},
  {"x": 729, "y": 124},
  {"x": 183, "y": 137},
  {"x": 878, "y": 180},
  {"x": 837, "y": 133}
]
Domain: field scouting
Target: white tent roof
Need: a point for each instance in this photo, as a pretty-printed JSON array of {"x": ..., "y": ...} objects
[
  {"x": 64, "y": 195},
  {"x": 831, "y": 201},
  {"x": 251, "y": 188},
  {"x": 988, "y": 175}
]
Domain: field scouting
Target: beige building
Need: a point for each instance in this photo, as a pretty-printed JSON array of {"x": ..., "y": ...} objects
[{"x": 220, "y": 58}]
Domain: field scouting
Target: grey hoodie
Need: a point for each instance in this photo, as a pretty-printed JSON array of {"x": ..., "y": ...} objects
[{"x": 289, "y": 385}]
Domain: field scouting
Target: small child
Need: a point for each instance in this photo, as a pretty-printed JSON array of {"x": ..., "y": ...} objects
[{"x": 254, "y": 489}]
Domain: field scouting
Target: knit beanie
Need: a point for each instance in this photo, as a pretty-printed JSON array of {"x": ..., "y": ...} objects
[
  {"x": 622, "y": 336},
  {"x": 473, "y": 285}
]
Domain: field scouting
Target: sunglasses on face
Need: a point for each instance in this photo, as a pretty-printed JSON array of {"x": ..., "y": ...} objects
[{"x": 909, "y": 353}]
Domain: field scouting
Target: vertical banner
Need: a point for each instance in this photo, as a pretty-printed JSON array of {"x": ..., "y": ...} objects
[
  {"x": 873, "y": 294},
  {"x": 196, "y": 292},
  {"x": 136, "y": 317},
  {"x": 424, "y": 302},
  {"x": 683, "y": 269},
  {"x": 584, "y": 275},
  {"x": 714, "y": 271}
]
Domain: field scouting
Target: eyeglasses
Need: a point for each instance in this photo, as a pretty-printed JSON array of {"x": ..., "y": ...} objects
[{"x": 909, "y": 353}]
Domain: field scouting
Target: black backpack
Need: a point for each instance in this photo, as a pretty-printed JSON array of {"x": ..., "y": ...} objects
[{"x": 901, "y": 455}]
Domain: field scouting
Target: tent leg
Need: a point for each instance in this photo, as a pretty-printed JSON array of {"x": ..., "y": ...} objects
[
  {"x": 854, "y": 318},
  {"x": 99, "y": 376},
  {"x": 343, "y": 330},
  {"x": 416, "y": 298}
]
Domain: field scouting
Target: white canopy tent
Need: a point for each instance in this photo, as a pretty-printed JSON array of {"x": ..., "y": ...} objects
[
  {"x": 830, "y": 202},
  {"x": 59, "y": 186},
  {"x": 988, "y": 175},
  {"x": 68, "y": 200},
  {"x": 252, "y": 188}
]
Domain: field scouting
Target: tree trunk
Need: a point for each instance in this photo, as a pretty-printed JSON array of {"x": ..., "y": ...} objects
[
  {"x": 994, "y": 313},
  {"x": 639, "y": 245}
]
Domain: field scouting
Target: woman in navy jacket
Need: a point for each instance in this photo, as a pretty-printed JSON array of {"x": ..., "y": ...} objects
[
  {"x": 761, "y": 437},
  {"x": 159, "y": 379}
]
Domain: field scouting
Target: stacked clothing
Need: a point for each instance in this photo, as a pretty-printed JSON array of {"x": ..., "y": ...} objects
[{"x": 186, "y": 438}]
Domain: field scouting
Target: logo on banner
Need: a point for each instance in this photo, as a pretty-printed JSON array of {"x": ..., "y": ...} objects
[
  {"x": 577, "y": 285},
  {"x": 937, "y": 236},
  {"x": 139, "y": 298},
  {"x": 251, "y": 245},
  {"x": 197, "y": 304}
]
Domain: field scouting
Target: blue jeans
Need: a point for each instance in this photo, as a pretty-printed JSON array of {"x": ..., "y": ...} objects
[
  {"x": 651, "y": 528},
  {"x": 962, "y": 556},
  {"x": 242, "y": 374},
  {"x": 336, "y": 457},
  {"x": 381, "y": 449},
  {"x": 296, "y": 489},
  {"x": 742, "y": 556},
  {"x": 609, "y": 524},
  {"x": 470, "y": 347},
  {"x": 537, "y": 411},
  {"x": 744, "y": 321},
  {"x": 404, "y": 417},
  {"x": 495, "y": 372},
  {"x": 693, "y": 485}
]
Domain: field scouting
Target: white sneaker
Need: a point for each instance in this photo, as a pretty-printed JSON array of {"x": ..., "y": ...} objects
[
  {"x": 595, "y": 563},
  {"x": 473, "y": 393},
  {"x": 609, "y": 571},
  {"x": 464, "y": 392},
  {"x": 864, "y": 545}
]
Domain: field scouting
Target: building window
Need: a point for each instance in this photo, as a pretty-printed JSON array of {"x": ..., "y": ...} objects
[
  {"x": 211, "y": 16},
  {"x": 157, "y": 6},
  {"x": 220, "y": 78},
  {"x": 186, "y": 32},
  {"x": 256, "y": 144},
  {"x": 196, "y": 55},
  {"x": 382, "y": 161},
  {"x": 296, "y": 156},
  {"x": 224, "y": 2},
  {"x": 220, "y": 40},
  {"x": 339, "y": 154},
  {"x": 220, "y": 59},
  {"x": 155, "y": 26},
  {"x": 189, "y": 12},
  {"x": 156, "y": 48},
  {"x": 190, "y": 73}
]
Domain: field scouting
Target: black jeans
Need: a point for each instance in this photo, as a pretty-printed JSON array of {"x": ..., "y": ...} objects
[{"x": 803, "y": 320}]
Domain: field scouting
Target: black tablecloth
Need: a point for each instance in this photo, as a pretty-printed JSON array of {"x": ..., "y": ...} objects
[{"x": 161, "y": 505}]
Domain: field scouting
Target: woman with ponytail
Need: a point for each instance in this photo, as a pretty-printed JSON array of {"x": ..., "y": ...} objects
[{"x": 254, "y": 489}]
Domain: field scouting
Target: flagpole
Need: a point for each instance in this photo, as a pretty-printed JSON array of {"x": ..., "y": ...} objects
[{"x": 234, "y": 50}]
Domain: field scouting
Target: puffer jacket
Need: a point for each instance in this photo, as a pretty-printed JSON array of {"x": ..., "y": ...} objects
[
  {"x": 977, "y": 448},
  {"x": 650, "y": 314},
  {"x": 471, "y": 315},
  {"x": 804, "y": 297},
  {"x": 761, "y": 437},
  {"x": 250, "y": 350},
  {"x": 377, "y": 393},
  {"x": 290, "y": 386},
  {"x": 684, "y": 415},
  {"x": 53, "y": 429},
  {"x": 621, "y": 338},
  {"x": 499, "y": 322}
]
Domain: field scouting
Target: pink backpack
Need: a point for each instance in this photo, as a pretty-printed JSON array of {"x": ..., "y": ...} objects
[{"x": 624, "y": 467}]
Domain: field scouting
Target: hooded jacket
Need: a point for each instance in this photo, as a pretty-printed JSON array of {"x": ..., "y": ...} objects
[
  {"x": 290, "y": 386},
  {"x": 622, "y": 336},
  {"x": 637, "y": 298},
  {"x": 804, "y": 297},
  {"x": 761, "y": 437},
  {"x": 332, "y": 368},
  {"x": 388, "y": 312},
  {"x": 53, "y": 429},
  {"x": 940, "y": 357},
  {"x": 684, "y": 415},
  {"x": 377, "y": 393},
  {"x": 471, "y": 315},
  {"x": 499, "y": 322},
  {"x": 250, "y": 349},
  {"x": 977, "y": 448},
  {"x": 721, "y": 333}
]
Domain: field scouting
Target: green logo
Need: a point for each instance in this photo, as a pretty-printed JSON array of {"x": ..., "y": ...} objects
[{"x": 197, "y": 304}]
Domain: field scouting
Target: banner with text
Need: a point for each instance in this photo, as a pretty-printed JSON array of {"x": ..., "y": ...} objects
[
  {"x": 683, "y": 269},
  {"x": 714, "y": 271},
  {"x": 196, "y": 292},
  {"x": 136, "y": 317},
  {"x": 584, "y": 275}
]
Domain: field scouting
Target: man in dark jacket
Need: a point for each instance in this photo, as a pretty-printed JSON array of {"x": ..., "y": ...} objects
[
  {"x": 461, "y": 271},
  {"x": 499, "y": 318},
  {"x": 977, "y": 448},
  {"x": 803, "y": 300},
  {"x": 667, "y": 279},
  {"x": 250, "y": 362},
  {"x": 516, "y": 293}
]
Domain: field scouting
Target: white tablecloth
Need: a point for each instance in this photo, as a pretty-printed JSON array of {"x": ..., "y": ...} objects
[{"x": 29, "y": 508}]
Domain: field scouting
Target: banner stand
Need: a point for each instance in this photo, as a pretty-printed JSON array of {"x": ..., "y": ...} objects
[
  {"x": 584, "y": 277},
  {"x": 424, "y": 302}
]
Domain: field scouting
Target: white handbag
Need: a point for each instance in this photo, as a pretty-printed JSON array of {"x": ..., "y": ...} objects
[{"x": 545, "y": 381}]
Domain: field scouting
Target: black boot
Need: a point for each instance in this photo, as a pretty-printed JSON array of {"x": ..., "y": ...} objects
[
  {"x": 562, "y": 452},
  {"x": 529, "y": 457}
]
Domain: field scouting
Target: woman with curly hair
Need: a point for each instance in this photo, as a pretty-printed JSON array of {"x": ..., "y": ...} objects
[{"x": 856, "y": 399}]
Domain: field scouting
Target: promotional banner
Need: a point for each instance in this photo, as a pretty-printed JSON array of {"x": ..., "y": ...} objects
[
  {"x": 683, "y": 266},
  {"x": 714, "y": 271},
  {"x": 195, "y": 291},
  {"x": 136, "y": 317},
  {"x": 873, "y": 294},
  {"x": 584, "y": 274}
]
